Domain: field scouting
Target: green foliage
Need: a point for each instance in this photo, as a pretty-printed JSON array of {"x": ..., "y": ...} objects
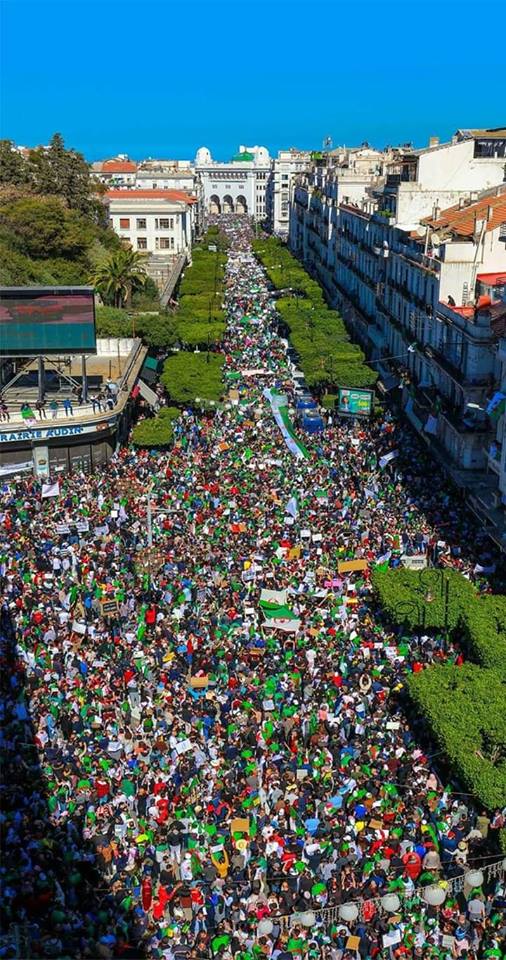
[
  {"x": 200, "y": 334},
  {"x": 187, "y": 376},
  {"x": 484, "y": 625},
  {"x": 52, "y": 225},
  {"x": 403, "y": 596},
  {"x": 328, "y": 401},
  {"x": 13, "y": 167},
  {"x": 147, "y": 297},
  {"x": 157, "y": 431},
  {"x": 121, "y": 274},
  {"x": 317, "y": 333},
  {"x": 158, "y": 330},
  {"x": 45, "y": 228},
  {"x": 465, "y": 708},
  {"x": 200, "y": 320}
]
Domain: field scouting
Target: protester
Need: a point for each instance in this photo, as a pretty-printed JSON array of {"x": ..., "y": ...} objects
[{"x": 220, "y": 721}]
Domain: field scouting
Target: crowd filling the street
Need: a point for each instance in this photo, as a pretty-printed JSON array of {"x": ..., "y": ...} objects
[{"x": 208, "y": 748}]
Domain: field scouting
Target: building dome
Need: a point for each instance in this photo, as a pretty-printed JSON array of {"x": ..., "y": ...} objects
[
  {"x": 262, "y": 154},
  {"x": 203, "y": 156}
]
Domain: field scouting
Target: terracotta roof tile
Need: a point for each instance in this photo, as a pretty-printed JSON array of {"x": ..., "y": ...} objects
[
  {"x": 461, "y": 221},
  {"x": 118, "y": 166},
  {"x": 170, "y": 195}
]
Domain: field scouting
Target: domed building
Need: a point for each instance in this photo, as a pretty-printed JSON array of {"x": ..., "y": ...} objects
[{"x": 237, "y": 186}]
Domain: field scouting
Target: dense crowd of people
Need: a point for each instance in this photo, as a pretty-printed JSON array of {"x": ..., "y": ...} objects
[{"x": 205, "y": 742}]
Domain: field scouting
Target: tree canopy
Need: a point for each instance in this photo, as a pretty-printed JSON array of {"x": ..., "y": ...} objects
[
  {"x": 317, "y": 333},
  {"x": 190, "y": 377},
  {"x": 53, "y": 226}
]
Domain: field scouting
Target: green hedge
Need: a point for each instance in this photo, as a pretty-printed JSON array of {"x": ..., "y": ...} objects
[
  {"x": 157, "y": 431},
  {"x": 484, "y": 624},
  {"x": 199, "y": 319},
  {"x": 317, "y": 333},
  {"x": 156, "y": 329},
  {"x": 465, "y": 708},
  {"x": 402, "y": 595},
  {"x": 187, "y": 376}
]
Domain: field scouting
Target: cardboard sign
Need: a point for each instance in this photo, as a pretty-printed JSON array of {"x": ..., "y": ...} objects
[
  {"x": 348, "y": 566},
  {"x": 79, "y": 628},
  {"x": 417, "y": 562},
  {"x": 108, "y": 607},
  {"x": 391, "y": 938},
  {"x": 239, "y": 825},
  {"x": 353, "y": 943},
  {"x": 198, "y": 683}
]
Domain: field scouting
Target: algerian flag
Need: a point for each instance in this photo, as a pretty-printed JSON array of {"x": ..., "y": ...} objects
[{"x": 280, "y": 617}]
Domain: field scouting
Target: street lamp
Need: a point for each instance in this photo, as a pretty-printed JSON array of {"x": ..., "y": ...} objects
[
  {"x": 444, "y": 586},
  {"x": 405, "y": 607}
]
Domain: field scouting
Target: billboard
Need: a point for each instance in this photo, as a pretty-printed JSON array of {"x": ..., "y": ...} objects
[
  {"x": 39, "y": 321},
  {"x": 356, "y": 402}
]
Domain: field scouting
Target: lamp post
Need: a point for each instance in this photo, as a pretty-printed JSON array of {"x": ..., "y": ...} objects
[
  {"x": 405, "y": 607},
  {"x": 444, "y": 590}
]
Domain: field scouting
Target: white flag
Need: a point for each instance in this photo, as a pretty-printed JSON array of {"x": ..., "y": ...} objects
[
  {"x": 387, "y": 458},
  {"x": 292, "y": 508},
  {"x": 50, "y": 489}
]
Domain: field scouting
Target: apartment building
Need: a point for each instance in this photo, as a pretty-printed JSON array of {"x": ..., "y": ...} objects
[
  {"x": 344, "y": 175},
  {"x": 410, "y": 245},
  {"x": 436, "y": 177},
  {"x": 288, "y": 165}
]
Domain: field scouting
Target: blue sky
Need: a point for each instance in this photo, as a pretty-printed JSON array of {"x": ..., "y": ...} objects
[{"x": 163, "y": 77}]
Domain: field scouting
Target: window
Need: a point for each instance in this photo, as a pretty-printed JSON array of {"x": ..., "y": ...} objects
[
  {"x": 124, "y": 223},
  {"x": 166, "y": 223},
  {"x": 164, "y": 243},
  {"x": 141, "y": 223},
  {"x": 155, "y": 186},
  {"x": 142, "y": 243}
]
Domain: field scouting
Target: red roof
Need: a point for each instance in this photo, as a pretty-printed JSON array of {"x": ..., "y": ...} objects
[
  {"x": 151, "y": 194},
  {"x": 461, "y": 221},
  {"x": 118, "y": 166},
  {"x": 492, "y": 279}
]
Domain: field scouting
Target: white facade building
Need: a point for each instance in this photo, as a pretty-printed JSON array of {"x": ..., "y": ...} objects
[
  {"x": 420, "y": 182},
  {"x": 239, "y": 186},
  {"x": 159, "y": 222},
  {"x": 285, "y": 168}
]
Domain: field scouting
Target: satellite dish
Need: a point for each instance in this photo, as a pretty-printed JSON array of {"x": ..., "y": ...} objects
[
  {"x": 420, "y": 231},
  {"x": 435, "y": 239}
]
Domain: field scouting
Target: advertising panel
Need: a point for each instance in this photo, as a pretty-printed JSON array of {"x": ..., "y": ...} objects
[
  {"x": 355, "y": 402},
  {"x": 40, "y": 321}
]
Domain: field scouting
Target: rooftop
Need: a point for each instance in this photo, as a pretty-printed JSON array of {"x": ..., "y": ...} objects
[
  {"x": 460, "y": 221},
  {"x": 118, "y": 166},
  {"x": 169, "y": 195}
]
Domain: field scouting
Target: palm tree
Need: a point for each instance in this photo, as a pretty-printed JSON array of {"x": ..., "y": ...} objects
[{"x": 121, "y": 274}]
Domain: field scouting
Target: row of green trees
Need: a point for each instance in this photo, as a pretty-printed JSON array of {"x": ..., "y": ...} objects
[
  {"x": 465, "y": 707},
  {"x": 200, "y": 319},
  {"x": 318, "y": 335},
  {"x": 190, "y": 379}
]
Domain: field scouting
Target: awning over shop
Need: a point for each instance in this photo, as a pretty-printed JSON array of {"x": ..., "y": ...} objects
[{"x": 149, "y": 395}]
